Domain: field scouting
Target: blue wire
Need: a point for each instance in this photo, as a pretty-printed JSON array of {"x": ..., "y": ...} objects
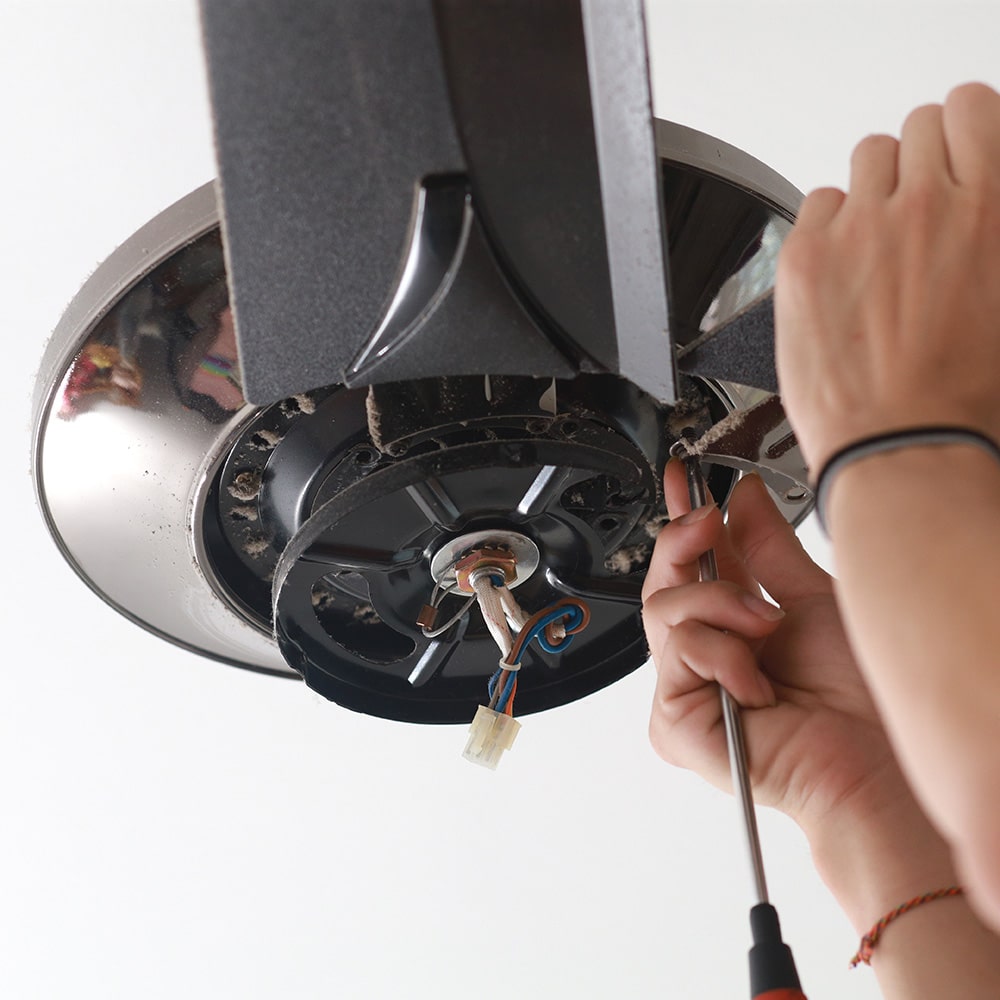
[
  {"x": 538, "y": 632},
  {"x": 573, "y": 615},
  {"x": 571, "y": 612},
  {"x": 507, "y": 691}
]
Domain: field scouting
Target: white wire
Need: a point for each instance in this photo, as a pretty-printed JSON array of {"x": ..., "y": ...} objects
[
  {"x": 492, "y": 608},
  {"x": 439, "y": 593},
  {"x": 516, "y": 615}
]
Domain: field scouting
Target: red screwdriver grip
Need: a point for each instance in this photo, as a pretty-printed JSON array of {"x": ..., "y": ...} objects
[{"x": 783, "y": 993}]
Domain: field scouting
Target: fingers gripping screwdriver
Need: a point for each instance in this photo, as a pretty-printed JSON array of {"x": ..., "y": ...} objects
[{"x": 772, "y": 968}]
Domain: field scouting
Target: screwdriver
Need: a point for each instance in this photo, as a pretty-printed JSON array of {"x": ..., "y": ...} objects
[{"x": 772, "y": 968}]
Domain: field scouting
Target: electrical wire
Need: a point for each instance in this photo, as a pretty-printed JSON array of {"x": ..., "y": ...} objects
[
  {"x": 573, "y": 615},
  {"x": 441, "y": 629},
  {"x": 553, "y": 627},
  {"x": 517, "y": 617},
  {"x": 438, "y": 594},
  {"x": 486, "y": 584},
  {"x": 577, "y": 615}
]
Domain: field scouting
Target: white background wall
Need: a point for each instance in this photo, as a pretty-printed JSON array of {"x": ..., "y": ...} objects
[{"x": 171, "y": 827}]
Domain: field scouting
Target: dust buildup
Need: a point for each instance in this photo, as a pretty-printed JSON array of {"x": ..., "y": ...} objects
[
  {"x": 654, "y": 524},
  {"x": 365, "y": 614},
  {"x": 627, "y": 560},
  {"x": 726, "y": 425},
  {"x": 245, "y": 485},
  {"x": 306, "y": 403},
  {"x": 690, "y": 412},
  {"x": 255, "y": 546},
  {"x": 374, "y": 415},
  {"x": 742, "y": 430},
  {"x": 265, "y": 440},
  {"x": 244, "y": 513},
  {"x": 328, "y": 599},
  {"x": 322, "y": 598}
]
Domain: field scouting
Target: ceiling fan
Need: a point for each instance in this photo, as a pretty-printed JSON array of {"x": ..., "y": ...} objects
[{"x": 432, "y": 333}]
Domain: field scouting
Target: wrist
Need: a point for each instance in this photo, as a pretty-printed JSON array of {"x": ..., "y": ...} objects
[
  {"x": 875, "y": 853},
  {"x": 958, "y": 471},
  {"x": 883, "y": 853},
  {"x": 906, "y": 439}
]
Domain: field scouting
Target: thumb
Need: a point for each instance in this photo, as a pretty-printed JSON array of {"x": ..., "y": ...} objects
[{"x": 769, "y": 547}]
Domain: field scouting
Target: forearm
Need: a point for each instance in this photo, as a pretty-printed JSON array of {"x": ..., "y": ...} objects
[
  {"x": 875, "y": 856},
  {"x": 917, "y": 544}
]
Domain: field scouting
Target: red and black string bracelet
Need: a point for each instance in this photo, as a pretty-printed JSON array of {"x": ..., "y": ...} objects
[{"x": 868, "y": 942}]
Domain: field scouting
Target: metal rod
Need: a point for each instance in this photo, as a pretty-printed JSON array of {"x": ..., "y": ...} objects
[
  {"x": 708, "y": 570},
  {"x": 742, "y": 790}
]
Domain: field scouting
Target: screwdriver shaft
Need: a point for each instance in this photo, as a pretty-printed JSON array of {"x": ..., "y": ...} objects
[
  {"x": 741, "y": 787},
  {"x": 708, "y": 570}
]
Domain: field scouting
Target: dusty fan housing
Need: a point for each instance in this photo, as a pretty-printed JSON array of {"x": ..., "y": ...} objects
[{"x": 297, "y": 538}]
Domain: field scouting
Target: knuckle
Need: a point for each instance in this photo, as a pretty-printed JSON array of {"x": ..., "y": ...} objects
[
  {"x": 923, "y": 198},
  {"x": 657, "y": 602},
  {"x": 683, "y": 637},
  {"x": 685, "y": 603}
]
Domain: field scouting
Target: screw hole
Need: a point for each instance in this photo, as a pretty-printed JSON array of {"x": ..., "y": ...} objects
[
  {"x": 365, "y": 457},
  {"x": 608, "y": 523},
  {"x": 569, "y": 428}
]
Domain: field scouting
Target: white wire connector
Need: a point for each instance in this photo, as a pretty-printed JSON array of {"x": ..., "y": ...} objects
[{"x": 489, "y": 735}]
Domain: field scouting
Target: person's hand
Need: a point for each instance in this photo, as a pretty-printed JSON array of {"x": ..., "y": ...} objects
[
  {"x": 814, "y": 740},
  {"x": 887, "y": 298},
  {"x": 886, "y": 305},
  {"x": 817, "y": 749}
]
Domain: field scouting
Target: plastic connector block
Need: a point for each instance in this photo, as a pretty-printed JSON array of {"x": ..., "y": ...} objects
[{"x": 489, "y": 735}]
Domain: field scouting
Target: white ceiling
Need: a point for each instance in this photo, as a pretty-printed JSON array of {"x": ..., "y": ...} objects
[{"x": 171, "y": 827}]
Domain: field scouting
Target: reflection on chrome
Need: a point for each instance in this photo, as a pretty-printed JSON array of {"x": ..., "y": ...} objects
[
  {"x": 146, "y": 394},
  {"x": 176, "y": 325},
  {"x": 100, "y": 370}
]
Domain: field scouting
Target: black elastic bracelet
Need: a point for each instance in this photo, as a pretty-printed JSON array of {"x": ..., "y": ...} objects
[{"x": 890, "y": 441}]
